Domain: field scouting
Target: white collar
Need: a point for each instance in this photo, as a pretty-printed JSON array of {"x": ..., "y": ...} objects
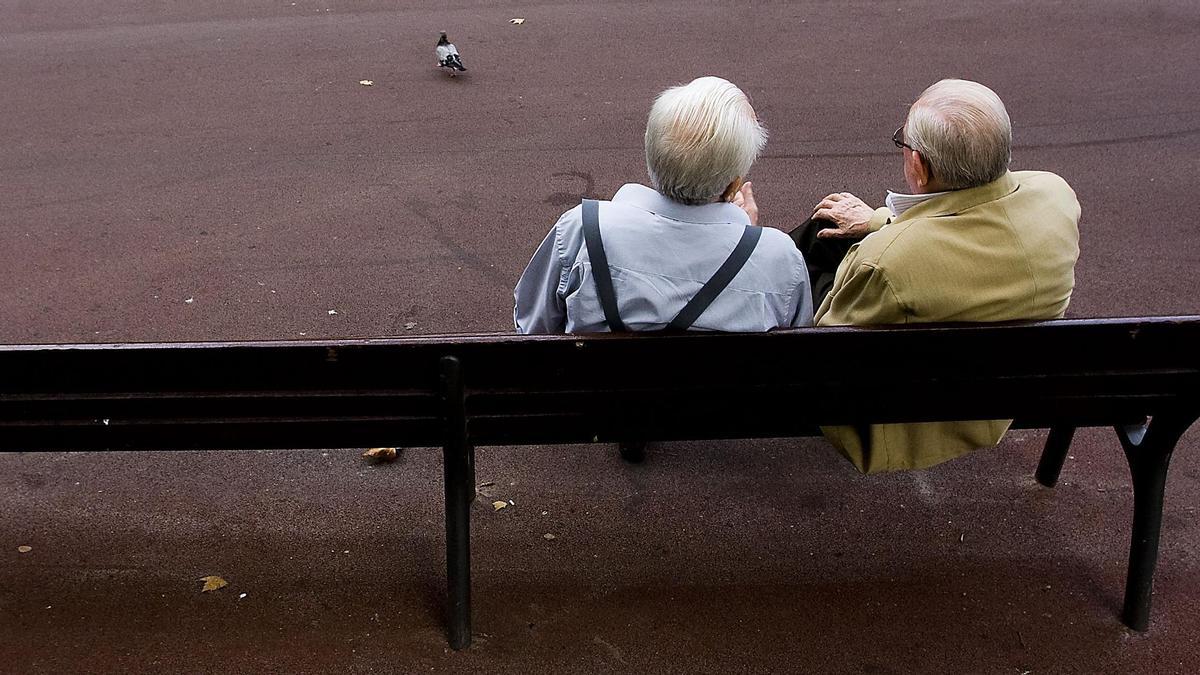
[
  {"x": 649, "y": 199},
  {"x": 899, "y": 202}
]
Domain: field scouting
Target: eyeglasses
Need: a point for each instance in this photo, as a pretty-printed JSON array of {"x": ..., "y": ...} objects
[{"x": 896, "y": 138}]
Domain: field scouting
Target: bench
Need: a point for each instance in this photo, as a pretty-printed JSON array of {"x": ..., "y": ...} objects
[{"x": 1141, "y": 376}]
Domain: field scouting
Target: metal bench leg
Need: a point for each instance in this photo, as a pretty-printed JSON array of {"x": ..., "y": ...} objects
[
  {"x": 458, "y": 462},
  {"x": 1148, "y": 449},
  {"x": 1058, "y": 443}
]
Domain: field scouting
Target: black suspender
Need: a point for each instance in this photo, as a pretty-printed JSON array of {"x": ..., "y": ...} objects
[
  {"x": 713, "y": 287},
  {"x": 600, "y": 271},
  {"x": 694, "y": 307}
]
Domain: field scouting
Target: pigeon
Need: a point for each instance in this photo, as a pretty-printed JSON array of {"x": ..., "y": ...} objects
[{"x": 447, "y": 56}]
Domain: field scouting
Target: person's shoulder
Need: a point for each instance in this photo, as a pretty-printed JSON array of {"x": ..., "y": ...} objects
[
  {"x": 776, "y": 239},
  {"x": 1043, "y": 180},
  {"x": 575, "y": 212},
  {"x": 1047, "y": 190},
  {"x": 568, "y": 234},
  {"x": 777, "y": 244},
  {"x": 889, "y": 240}
]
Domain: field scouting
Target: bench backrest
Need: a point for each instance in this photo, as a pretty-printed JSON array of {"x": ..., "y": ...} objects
[{"x": 542, "y": 389}]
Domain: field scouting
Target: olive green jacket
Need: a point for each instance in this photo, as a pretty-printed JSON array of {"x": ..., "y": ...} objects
[{"x": 998, "y": 252}]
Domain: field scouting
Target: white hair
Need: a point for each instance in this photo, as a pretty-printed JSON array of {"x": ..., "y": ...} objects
[
  {"x": 962, "y": 130},
  {"x": 700, "y": 137}
]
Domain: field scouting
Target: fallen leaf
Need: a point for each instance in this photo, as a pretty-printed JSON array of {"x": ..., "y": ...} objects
[
  {"x": 517, "y": 22},
  {"x": 548, "y": 536},
  {"x": 24, "y": 549},
  {"x": 380, "y": 454},
  {"x": 499, "y": 505},
  {"x": 212, "y": 583},
  {"x": 366, "y": 83}
]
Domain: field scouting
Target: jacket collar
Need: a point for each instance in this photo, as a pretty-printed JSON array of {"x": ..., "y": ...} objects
[
  {"x": 958, "y": 201},
  {"x": 648, "y": 199}
]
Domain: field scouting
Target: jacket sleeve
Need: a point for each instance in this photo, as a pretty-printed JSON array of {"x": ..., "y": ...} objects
[
  {"x": 539, "y": 306},
  {"x": 862, "y": 296}
]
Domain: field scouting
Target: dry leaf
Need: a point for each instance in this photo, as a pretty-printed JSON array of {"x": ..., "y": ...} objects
[
  {"x": 499, "y": 505},
  {"x": 517, "y": 22},
  {"x": 212, "y": 583},
  {"x": 366, "y": 83},
  {"x": 548, "y": 536},
  {"x": 24, "y": 549},
  {"x": 380, "y": 454}
]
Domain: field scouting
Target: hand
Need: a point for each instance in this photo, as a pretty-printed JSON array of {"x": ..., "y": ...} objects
[
  {"x": 848, "y": 212},
  {"x": 744, "y": 198}
]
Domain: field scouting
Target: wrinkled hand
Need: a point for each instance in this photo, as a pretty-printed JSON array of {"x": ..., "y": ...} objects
[
  {"x": 744, "y": 198},
  {"x": 848, "y": 212}
]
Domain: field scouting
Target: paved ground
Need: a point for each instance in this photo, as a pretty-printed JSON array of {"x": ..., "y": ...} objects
[{"x": 155, "y": 152}]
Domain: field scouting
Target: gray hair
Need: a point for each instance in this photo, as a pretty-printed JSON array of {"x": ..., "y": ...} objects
[
  {"x": 700, "y": 137},
  {"x": 962, "y": 130}
]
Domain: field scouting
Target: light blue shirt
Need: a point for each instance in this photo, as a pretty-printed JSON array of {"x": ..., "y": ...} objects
[{"x": 660, "y": 253}]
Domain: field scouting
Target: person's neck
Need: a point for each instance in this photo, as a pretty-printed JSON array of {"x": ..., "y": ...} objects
[{"x": 929, "y": 188}]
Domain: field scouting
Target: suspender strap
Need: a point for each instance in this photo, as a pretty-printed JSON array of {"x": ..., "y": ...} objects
[
  {"x": 600, "y": 271},
  {"x": 713, "y": 287}
]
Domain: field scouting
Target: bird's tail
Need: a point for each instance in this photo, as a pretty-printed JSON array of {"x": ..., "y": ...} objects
[{"x": 456, "y": 63}]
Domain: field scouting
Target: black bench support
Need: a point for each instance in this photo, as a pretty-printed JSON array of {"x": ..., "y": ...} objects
[
  {"x": 458, "y": 460},
  {"x": 633, "y": 452},
  {"x": 1148, "y": 449},
  {"x": 461, "y": 391},
  {"x": 1058, "y": 443}
]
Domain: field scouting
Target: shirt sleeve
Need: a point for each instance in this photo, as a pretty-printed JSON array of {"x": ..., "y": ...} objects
[
  {"x": 804, "y": 303},
  {"x": 861, "y": 296},
  {"x": 539, "y": 306}
]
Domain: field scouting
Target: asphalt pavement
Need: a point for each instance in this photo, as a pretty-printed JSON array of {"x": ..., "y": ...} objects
[{"x": 211, "y": 170}]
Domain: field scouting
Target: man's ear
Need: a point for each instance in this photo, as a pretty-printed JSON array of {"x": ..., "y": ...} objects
[
  {"x": 920, "y": 169},
  {"x": 732, "y": 189}
]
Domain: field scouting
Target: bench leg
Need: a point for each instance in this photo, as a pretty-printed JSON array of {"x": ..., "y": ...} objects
[
  {"x": 1058, "y": 443},
  {"x": 458, "y": 462},
  {"x": 633, "y": 452},
  {"x": 1148, "y": 449}
]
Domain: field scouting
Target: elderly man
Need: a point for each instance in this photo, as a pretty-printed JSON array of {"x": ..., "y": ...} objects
[
  {"x": 971, "y": 241},
  {"x": 678, "y": 256}
]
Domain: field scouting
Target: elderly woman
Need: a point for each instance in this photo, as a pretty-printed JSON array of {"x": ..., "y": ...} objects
[{"x": 682, "y": 255}]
